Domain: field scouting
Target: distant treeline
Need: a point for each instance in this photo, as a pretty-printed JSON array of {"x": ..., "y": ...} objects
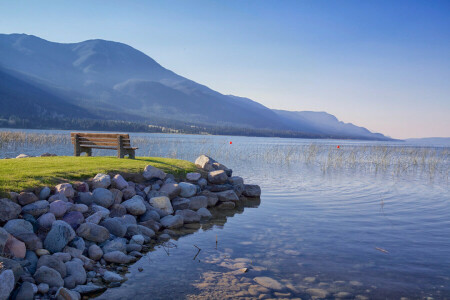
[{"x": 156, "y": 126}]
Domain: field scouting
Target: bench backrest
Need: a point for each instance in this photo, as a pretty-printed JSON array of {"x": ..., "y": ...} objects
[{"x": 100, "y": 139}]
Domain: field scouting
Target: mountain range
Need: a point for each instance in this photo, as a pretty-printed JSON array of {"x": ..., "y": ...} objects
[{"x": 111, "y": 81}]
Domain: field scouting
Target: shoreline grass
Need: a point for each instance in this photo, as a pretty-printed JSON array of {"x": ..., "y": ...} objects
[{"x": 28, "y": 173}]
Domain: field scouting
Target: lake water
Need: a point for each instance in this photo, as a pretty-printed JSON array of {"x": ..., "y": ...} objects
[{"x": 369, "y": 222}]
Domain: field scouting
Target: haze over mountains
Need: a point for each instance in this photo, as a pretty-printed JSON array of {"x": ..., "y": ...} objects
[{"x": 104, "y": 80}]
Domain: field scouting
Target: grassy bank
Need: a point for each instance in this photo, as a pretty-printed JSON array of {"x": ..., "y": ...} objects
[{"x": 20, "y": 174}]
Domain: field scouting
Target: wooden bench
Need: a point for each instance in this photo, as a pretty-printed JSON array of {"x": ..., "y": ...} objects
[{"x": 85, "y": 142}]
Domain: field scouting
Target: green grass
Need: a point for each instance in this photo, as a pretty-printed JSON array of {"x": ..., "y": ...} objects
[{"x": 27, "y": 173}]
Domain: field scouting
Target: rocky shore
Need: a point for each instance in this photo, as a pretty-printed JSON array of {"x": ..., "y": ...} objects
[{"x": 73, "y": 240}]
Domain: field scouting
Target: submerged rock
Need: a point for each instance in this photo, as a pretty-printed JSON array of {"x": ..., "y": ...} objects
[{"x": 268, "y": 283}]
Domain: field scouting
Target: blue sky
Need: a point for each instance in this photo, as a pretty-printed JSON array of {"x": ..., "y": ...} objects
[{"x": 384, "y": 65}]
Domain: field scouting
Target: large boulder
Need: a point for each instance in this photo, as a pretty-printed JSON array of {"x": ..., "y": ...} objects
[
  {"x": 59, "y": 236},
  {"x": 251, "y": 190},
  {"x": 93, "y": 232},
  {"x": 7, "y": 284},
  {"x": 27, "y": 198},
  {"x": 208, "y": 164},
  {"x": 211, "y": 198},
  {"x": 85, "y": 198},
  {"x": 227, "y": 196},
  {"x": 103, "y": 197},
  {"x": 53, "y": 262},
  {"x": 101, "y": 181},
  {"x": 37, "y": 208},
  {"x": 180, "y": 203},
  {"x": 115, "y": 226},
  {"x": 217, "y": 177},
  {"x": 66, "y": 189},
  {"x": 193, "y": 176},
  {"x": 172, "y": 190},
  {"x": 197, "y": 202},
  {"x": 150, "y": 172},
  {"x": 135, "y": 206},
  {"x": 162, "y": 203},
  {"x": 76, "y": 274},
  {"x": 9, "y": 210},
  {"x": 187, "y": 189},
  {"x": 58, "y": 208},
  {"x": 18, "y": 226},
  {"x": 49, "y": 276},
  {"x": 189, "y": 216},
  {"x": 172, "y": 221},
  {"x": 119, "y": 182}
]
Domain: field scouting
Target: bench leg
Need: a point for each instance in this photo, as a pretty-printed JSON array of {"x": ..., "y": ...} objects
[
  {"x": 88, "y": 151},
  {"x": 131, "y": 154},
  {"x": 120, "y": 153}
]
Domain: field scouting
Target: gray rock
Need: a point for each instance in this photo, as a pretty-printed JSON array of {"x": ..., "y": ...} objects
[
  {"x": 115, "y": 226},
  {"x": 238, "y": 189},
  {"x": 54, "y": 263},
  {"x": 49, "y": 276},
  {"x": 109, "y": 276},
  {"x": 152, "y": 224},
  {"x": 59, "y": 236},
  {"x": 155, "y": 187},
  {"x": 32, "y": 258},
  {"x": 197, "y": 202},
  {"x": 101, "y": 181},
  {"x": 89, "y": 288},
  {"x": 138, "y": 239},
  {"x": 119, "y": 182},
  {"x": 82, "y": 208},
  {"x": 44, "y": 193},
  {"x": 150, "y": 214},
  {"x": 95, "y": 218},
  {"x": 151, "y": 172},
  {"x": 65, "y": 294},
  {"x": 189, "y": 216},
  {"x": 78, "y": 243},
  {"x": 145, "y": 231},
  {"x": 37, "y": 208},
  {"x": 172, "y": 221},
  {"x": 187, "y": 189},
  {"x": 118, "y": 210},
  {"x": 204, "y": 213},
  {"x": 27, "y": 198},
  {"x": 43, "y": 288},
  {"x": 236, "y": 180},
  {"x": 205, "y": 162},
  {"x": 18, "y": 226},
  {"x": 193, "y": 176},
  {"x": 98, "y": 208},
  {"x": 128, "y": 193},
  {"x": 46, "y": 220},
  {"x": 133, "y": 247},
  {"x": 26, "y": 291},
  {"x": 217, "y": 177},
  {"x": 117, "y": 244},
  {"x": 211, "y": 198},
  {"x": 93, "y": 232},
  {"x": 7, "y": 284},
  {"x": 202, "y": 183},
  {"x": 117, "y": 195},
  {"x": 172, "y": 190},
  {"x": 58, "y": 197},
  {"x": 180, "y": 203},
  {"x": 118, "y": 257},
  {"x": 95, "y": 252},
  {"x": 58, "y": 208},
  {"x": 74, "y": 219},
  {"x": 135, "y": 206},
  {"x": 66, "y": 189},
  {"x": 128, "y": 220},
  {"x": 22, "y": 156},
  {"x": 219, "y": 187},
  {"x": 76, "y": 274},
  {"x": 9, "y": 210},
  {"x": 63, "y": 256},
  {"x": 162, "y": 203},
  {"x": 85, "y": 198},
  {"x": 227, "y": 196},
  {"x": 251, "y": 190},
  {"x": 4, "y": 235},
  {"x": 103, "y": 197}
]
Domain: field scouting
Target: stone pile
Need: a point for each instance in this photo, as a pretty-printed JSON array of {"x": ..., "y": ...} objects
[{"x": 66, "y": 241}]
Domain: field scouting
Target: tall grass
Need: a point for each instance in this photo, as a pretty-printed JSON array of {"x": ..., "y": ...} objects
[{"x": 394, "y": 159}]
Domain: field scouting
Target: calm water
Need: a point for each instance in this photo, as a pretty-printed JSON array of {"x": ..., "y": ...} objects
[{"x": 349, "y": 229}]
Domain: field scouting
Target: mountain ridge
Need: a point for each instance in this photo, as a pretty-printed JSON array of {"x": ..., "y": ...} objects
[{"x": 106, "y": 77}]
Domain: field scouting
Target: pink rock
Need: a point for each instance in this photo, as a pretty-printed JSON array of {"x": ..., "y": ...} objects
[{"x": 15, "y": 247}]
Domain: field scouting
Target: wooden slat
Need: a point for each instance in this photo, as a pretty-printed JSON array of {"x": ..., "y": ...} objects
[
  {"x": 100, "y": 139},
  {"x": 97, "y": 147},
  {"x": 112, "y": 144},
  {"x": 104, "y": 135}
]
